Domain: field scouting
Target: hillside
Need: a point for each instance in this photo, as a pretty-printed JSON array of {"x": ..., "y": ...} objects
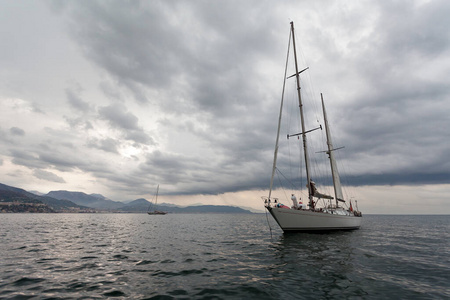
[
  {"x": 203, "y": 209},
  {"x": 140, "y": 205},
  {"x": 80, "y": 198},
  {"x": 14, "y": 199},
  {"x": 197, "y": 209}
]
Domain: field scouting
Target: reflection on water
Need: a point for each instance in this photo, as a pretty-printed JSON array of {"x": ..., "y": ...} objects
[{"x": 316, "y": 264}]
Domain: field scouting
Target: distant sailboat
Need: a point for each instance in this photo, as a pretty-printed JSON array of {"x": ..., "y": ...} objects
[
  {"x": 152, "y": 210},
  {"x": 321, "y": 215}
]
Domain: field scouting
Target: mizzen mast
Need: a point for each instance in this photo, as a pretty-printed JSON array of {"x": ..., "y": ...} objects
[{"x": 334, "y": 170}]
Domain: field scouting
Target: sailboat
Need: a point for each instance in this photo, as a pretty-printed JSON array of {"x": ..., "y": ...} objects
[
  {"x": 152, "y": 208},
  {"x": 324, "y": 212}
]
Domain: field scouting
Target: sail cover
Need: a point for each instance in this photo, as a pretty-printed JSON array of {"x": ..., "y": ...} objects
[
  {"x": 316, "y": 193},
  {"x": 334, "y": 169}
]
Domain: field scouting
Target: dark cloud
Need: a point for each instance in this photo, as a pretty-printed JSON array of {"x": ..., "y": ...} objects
[
  {"x": 207, "y": 64},
  {"x": 80, "y": 123},
  {"x": 76, "y": 101},
  {"x": 26, "y": 159},
  {"x": 62, "y": 161},
  {"x": 130, "y": 41},
  {"x": 49, "y": 176},
  {"x": 411, "y": 179},
  {"x": 398, "y": 115},
  {"x": 110, "y": 90},
  {"x": 140, "y": 137},
  {"x": 174, "y": 168},
  {"x": 17, "y": 131},
  {"x": 418, "y": 30},
  {"x": 107, "y": 144},
  {"x": 118, "y": 117}
]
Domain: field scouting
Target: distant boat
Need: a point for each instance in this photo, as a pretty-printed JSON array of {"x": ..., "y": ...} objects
[
  {"x": 152, "y": 210},
  {"x": 323, "y": 214}
]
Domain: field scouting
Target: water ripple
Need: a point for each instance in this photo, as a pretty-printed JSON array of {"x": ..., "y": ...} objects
[{"x": 99, "y": 256}]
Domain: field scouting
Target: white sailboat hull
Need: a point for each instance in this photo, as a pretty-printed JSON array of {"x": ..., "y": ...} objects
[{"x": 307, "y": 221}]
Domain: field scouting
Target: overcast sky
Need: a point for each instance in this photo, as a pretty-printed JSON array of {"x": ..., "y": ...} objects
[{"x": 115, "y": 97}]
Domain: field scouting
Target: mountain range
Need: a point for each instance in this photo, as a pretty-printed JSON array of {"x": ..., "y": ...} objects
[{"x": 14, "y": 199}]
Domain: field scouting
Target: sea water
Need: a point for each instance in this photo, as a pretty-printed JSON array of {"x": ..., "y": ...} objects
[{"x": 220, "y": 256}]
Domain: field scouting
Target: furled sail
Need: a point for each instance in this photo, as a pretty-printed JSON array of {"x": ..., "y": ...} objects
[
  {"x": 334, "y": 170},
  {"x": 316, "y": 193}
]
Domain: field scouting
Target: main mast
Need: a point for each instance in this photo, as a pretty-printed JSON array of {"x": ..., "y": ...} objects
[{"x": 297, "y": 76}]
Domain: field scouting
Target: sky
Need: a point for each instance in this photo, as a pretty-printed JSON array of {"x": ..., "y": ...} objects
[{"x": 116, "y": 97}]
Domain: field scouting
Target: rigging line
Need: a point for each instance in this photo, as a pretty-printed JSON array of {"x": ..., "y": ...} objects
[
  {"x": 320, "y": 169},
  {"x": 279, "y": 120},
  {"x": 310, "y": 90},
  {"x": 289, "y": 181},
  {"x": 293, "y": 146},
  {"x": 281, "y": 184}
]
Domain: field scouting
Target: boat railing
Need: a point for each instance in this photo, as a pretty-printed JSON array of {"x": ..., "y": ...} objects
[{"x": 269, "y": 200}]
